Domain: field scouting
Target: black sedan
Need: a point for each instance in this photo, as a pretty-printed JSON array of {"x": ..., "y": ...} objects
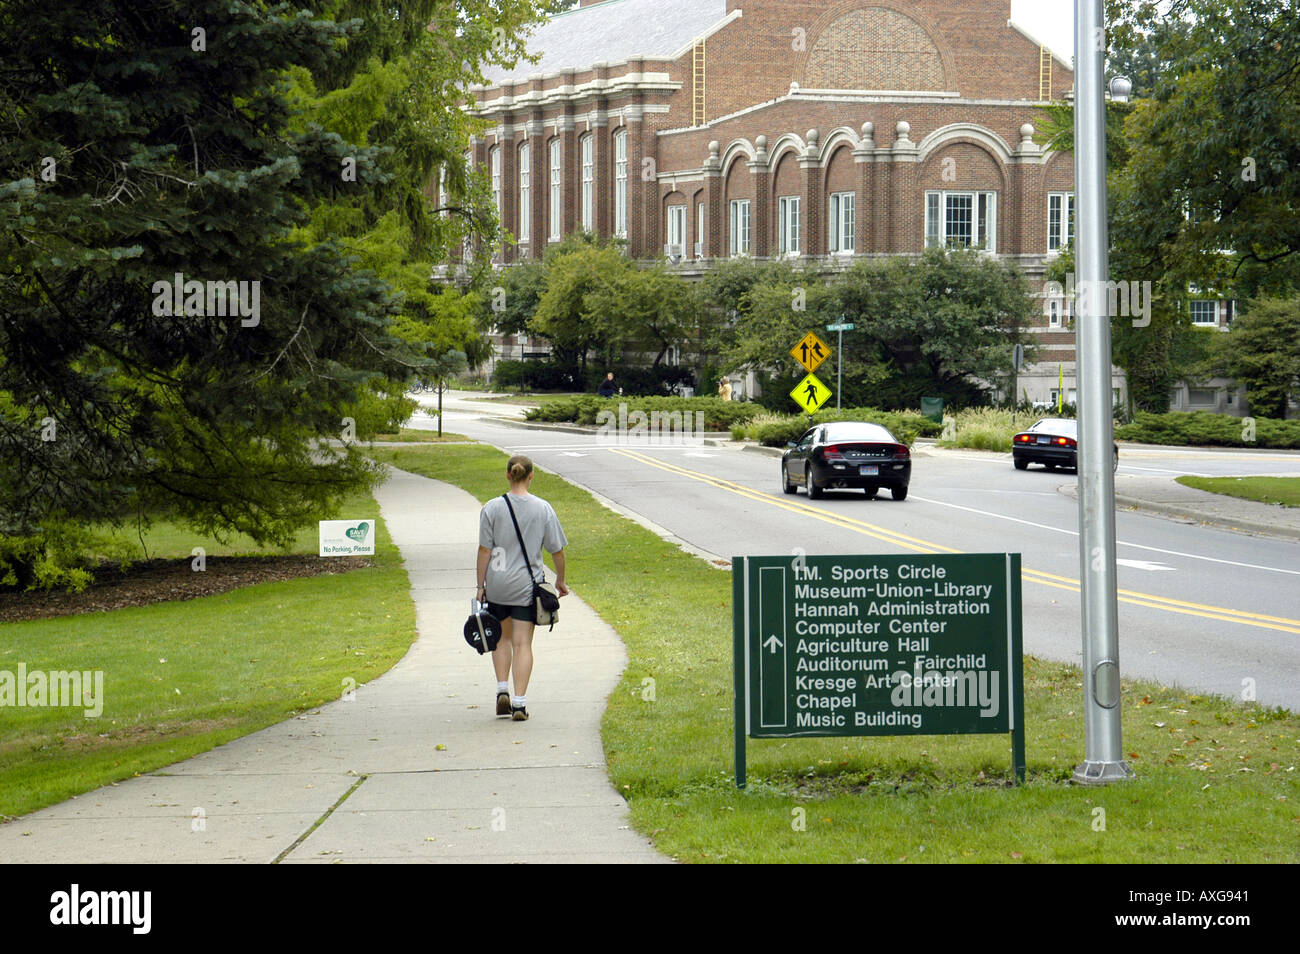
[
  {"x": 847, "y": 454},
  {"x": 1052, "y": 442}
]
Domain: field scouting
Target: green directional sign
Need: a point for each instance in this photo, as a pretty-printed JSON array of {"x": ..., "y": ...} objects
[{"x": 878, "y": 645}]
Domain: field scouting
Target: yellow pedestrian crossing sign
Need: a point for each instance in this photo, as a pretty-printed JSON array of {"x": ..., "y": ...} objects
[
  {"x": 810, "y": 394},
  {"x": 811, "y": 351}
]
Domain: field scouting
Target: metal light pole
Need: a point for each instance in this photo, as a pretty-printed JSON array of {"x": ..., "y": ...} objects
[{"x": 1097, "y": 571}]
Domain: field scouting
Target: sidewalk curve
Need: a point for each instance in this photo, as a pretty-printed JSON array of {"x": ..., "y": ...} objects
[{"x": 416, "y": 767}]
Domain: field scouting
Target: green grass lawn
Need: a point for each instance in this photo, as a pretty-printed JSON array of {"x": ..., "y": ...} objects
[
  {"x": 530, "y": 400},
  {"x": 1271, "y": 490},
  {"x": 1217, "y": 781},
  {"x": 180, "y": 678},
  {"x": 424, "y": 437}
]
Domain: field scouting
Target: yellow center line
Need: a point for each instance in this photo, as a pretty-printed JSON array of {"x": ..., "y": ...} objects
[{"x": 918, "y": 545}]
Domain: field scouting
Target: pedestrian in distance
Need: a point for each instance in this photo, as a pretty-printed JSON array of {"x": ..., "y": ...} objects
[
  {"x": 506, "y": 576},
  {"x": 607, "y": 387},
  {"x": 724, "y": 389}
]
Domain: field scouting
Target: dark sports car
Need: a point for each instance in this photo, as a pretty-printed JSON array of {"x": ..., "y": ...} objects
[
  {"x": 847, "y": 454},
  {"x": 1052, "y": 442}
]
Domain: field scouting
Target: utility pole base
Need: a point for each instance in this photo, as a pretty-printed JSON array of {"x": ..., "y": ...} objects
[{"x": 1102, "y": 773}]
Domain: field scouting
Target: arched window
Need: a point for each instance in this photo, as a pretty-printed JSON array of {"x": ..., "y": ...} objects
[
  {"x": 525, "y": 197},
  {"x": 620, "y": 183},
  {"x": 588, "y": 183},
  {"x": 495, "y": 162},
  {"x": 556, "y": 230}
]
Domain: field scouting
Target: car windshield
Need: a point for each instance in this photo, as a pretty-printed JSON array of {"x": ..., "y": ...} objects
[
  {"x": 854, "y": 431},
  {"x": 1061, "y": 426}
]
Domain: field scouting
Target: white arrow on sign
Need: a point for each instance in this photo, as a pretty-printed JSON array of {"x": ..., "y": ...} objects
[
  {"x": 772, "y": 643},
  {"x": 1144, "y": 565}
]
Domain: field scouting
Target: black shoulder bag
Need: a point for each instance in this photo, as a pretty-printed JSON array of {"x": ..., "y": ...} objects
[{"x": 546, "y": 601}]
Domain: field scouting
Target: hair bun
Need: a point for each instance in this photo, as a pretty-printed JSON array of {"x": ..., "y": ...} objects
[{"x": 518, "y": 469}]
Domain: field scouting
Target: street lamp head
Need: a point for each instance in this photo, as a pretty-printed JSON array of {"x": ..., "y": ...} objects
[{"x": 1121, "y": 87}]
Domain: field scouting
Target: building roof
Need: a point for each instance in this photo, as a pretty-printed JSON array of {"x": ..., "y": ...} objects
[{"x": 611, "y": 32}]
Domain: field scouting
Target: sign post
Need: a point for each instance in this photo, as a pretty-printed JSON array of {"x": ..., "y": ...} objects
[
  {"x": 878, "y": 645},
  {"x": 839, "y": 358}
]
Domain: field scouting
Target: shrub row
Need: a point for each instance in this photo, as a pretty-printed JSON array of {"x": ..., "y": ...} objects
[
  {"x": 777, "y": 430},
  {"x": 991, "y": 428},
  {"x": 554, "y": 376},
  {"x": 1203, "y": 429},
  {"x": 537, "y": 376},
  {"x": 719, "y": 415}
]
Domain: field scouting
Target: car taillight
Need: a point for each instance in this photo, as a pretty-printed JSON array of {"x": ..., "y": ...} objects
[
  {"x": 1066, "y": 442},
  {"x": 901, "y": 450},
  {"x": 832, "y": 453},
  {"x": 1024, "y": 438}
]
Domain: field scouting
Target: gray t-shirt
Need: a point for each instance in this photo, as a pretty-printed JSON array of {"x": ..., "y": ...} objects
[{"x": 507, "y": 579}]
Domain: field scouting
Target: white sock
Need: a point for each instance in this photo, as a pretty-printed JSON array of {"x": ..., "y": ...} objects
[
  {"x": 503, "y": 687},
  {"x": 519, "y": 701}
]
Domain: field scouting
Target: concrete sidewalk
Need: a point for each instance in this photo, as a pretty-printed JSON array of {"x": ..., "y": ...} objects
[{"x": 416, "y": 767}]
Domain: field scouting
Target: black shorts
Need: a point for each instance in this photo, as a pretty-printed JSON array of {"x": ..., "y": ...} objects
[{"x": 527, "y": 614}]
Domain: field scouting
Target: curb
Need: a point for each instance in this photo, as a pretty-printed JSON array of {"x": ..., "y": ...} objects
[{"x": 1247, "y": 527}]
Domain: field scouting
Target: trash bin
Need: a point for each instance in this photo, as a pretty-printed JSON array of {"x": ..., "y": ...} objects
[{"x": 932, "y": 408}]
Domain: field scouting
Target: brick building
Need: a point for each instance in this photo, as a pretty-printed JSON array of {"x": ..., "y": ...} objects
[{"x": 819, "y": 129}]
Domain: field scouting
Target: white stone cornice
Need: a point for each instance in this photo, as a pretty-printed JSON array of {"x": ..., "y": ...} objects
[{"x": 627, "y": 83}]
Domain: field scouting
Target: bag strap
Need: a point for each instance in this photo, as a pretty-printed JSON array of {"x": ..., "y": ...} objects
[{"x": 523, "y": 550}]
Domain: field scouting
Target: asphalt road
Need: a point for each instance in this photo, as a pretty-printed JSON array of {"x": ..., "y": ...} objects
[{"x": 1201, "y": 608}]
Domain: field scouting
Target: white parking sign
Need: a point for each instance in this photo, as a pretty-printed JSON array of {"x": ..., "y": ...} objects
[{"x": 347, "y": 538}]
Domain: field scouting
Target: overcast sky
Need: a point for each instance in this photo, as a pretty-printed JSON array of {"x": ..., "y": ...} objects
[{"x": 1049, "y": 21}]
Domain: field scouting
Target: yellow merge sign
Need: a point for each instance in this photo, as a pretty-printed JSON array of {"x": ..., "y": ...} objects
[
  {"x": 810, "y": 394},
  {"x": 811, "y": 351}
]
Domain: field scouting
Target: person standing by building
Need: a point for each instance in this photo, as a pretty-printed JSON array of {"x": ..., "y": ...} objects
[
  {"x": 506, "y": 576},
  {"x": 724, "y": 389}
]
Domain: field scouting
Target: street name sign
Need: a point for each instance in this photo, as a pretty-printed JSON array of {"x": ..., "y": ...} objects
[
  {"x": 810, "y": 394},
  {"x": 878, "y": 645},
  {"x": 810, "y": 352},
  {"x": 842, "y": 326}
]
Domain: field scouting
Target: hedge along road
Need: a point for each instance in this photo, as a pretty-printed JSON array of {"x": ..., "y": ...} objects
[{"x": 1201, "y": 608}]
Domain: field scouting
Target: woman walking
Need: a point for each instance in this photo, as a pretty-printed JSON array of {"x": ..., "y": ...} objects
[{"x": 506, "y": 576}]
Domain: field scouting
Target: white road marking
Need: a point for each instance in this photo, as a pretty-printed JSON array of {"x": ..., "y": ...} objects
[
  {"x": 1144, "y": 565},
  {"x": 1161, "y": 470},
  {"x": 1136, "y": 546},
  {"x": 573, "y": 454}
]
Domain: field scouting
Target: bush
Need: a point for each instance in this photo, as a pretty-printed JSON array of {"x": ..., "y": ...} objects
[
  {"x": 536, "y": 376},
  {"x": 381, "y": 413},
  {"x": 989, "y": 428},
  {"x": 1203, "y": 429},
  {"x": 777, "y": 430},
  {"x": 650, "y": 382},
  {"x": 719, "y": 415},
  {"x": 60, "y": 556}
]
